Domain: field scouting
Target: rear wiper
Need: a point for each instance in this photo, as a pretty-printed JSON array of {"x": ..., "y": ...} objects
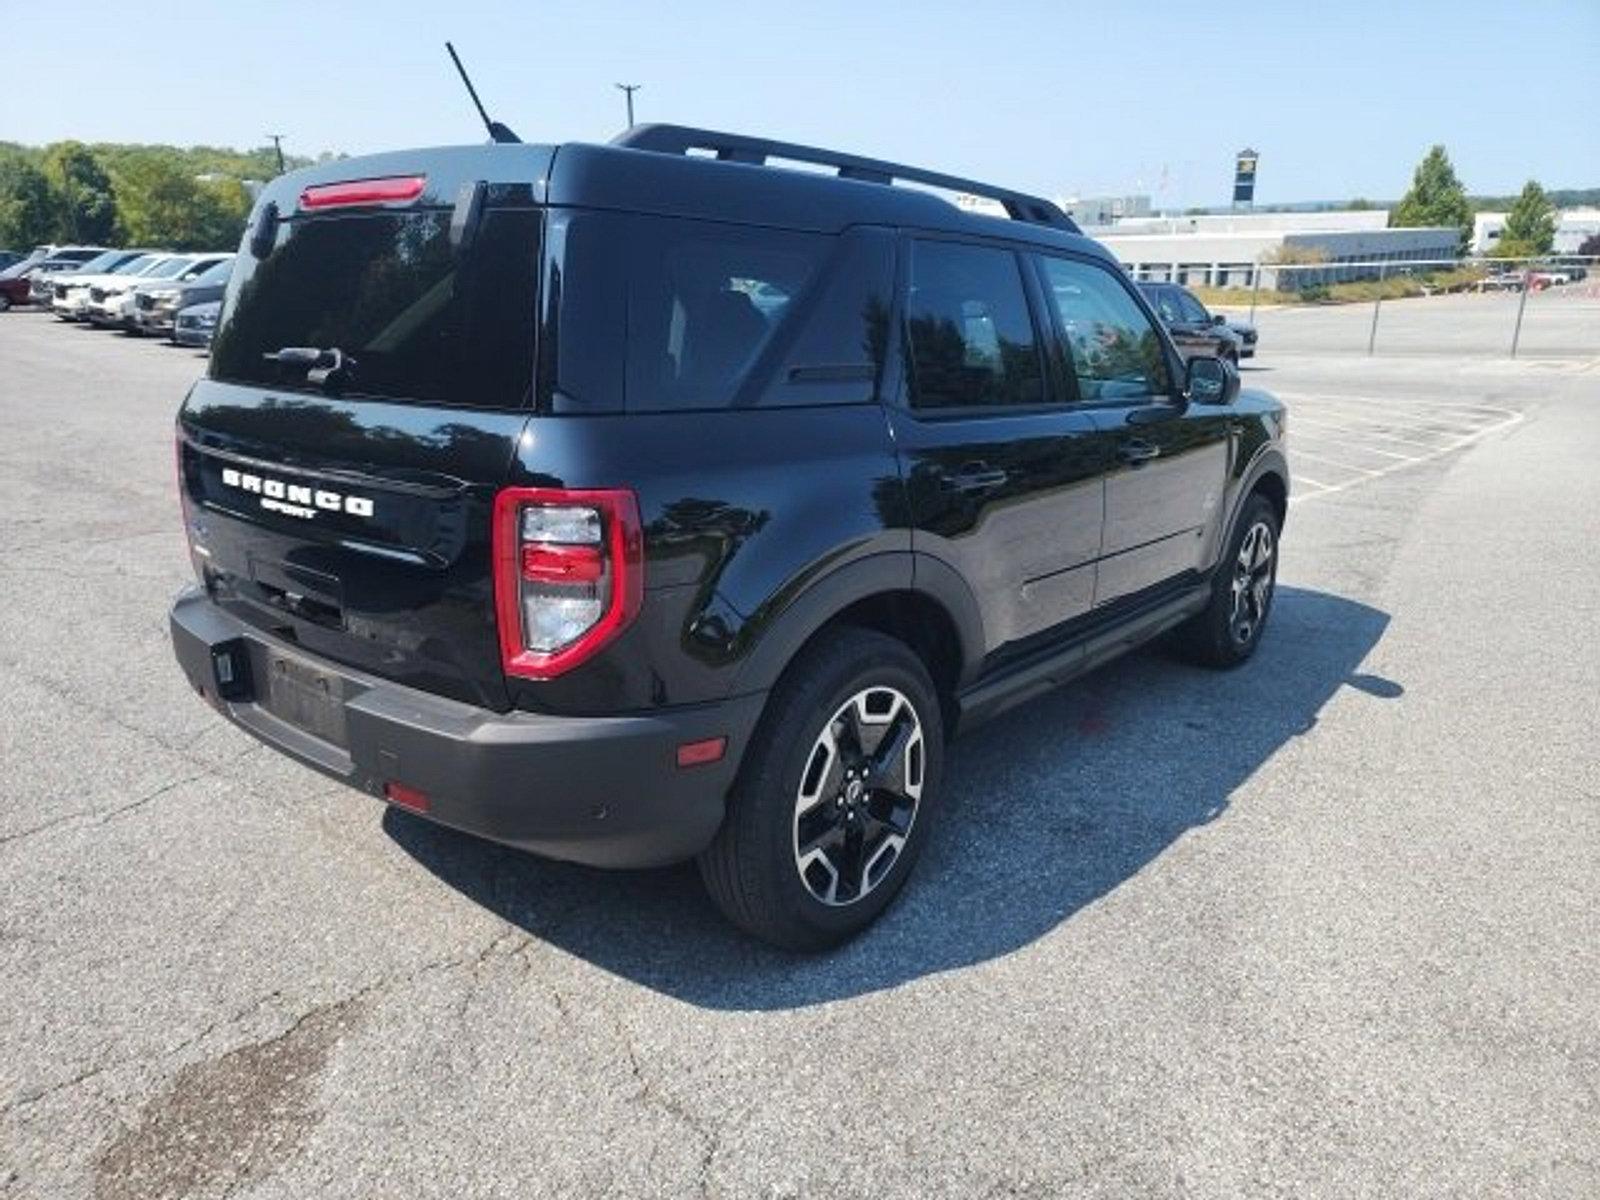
[{"x": 323, "y": 367}]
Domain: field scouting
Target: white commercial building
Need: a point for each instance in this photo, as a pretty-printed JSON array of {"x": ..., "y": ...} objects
[
  {"x": 1574, "y": 226},
  {"x": 1222, "y": 250}
]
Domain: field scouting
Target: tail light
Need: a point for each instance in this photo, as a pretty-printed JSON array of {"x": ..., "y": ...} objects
[{"x": 568, "y": 575}]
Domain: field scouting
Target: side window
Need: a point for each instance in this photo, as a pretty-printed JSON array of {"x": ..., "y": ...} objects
[
  {"x": 1164, "y": 301},
  {"x": 704, "y": 301},
  {"x": 1114, "y": 349},
  {"x": 970, "y": 336},
  {"x": 842, "y": 331},
  {"x": 1193, "y": 311}
]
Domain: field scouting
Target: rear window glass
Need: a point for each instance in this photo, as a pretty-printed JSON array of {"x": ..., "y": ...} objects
[{"x": 390, "y": 291}]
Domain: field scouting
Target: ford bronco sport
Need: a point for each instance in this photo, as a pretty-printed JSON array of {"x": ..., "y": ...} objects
[{"x": 650, "y": 501}]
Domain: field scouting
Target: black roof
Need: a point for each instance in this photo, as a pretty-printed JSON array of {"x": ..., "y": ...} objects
[{"x": 669, "y": 183}]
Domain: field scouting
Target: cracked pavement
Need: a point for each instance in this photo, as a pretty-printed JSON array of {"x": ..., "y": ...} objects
[{"x": 1324, "y": 926}]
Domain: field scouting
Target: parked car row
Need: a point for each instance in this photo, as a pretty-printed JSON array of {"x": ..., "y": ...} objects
[{"x": 176, "y": 294}]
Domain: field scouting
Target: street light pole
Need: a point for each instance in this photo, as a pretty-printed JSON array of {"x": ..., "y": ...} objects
[
  {"x": 628, "y": 89},
  {"x": 277, "y": 144}
]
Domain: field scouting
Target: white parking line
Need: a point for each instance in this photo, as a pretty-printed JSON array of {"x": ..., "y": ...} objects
[
  {"x": 1511, "y": 418},
  {"x": 1334, "y": 462},
  {"x": 1296, "y": 420},
  {"x": 1388, "y": 404},
  {"x": 1352, "y": 444}
]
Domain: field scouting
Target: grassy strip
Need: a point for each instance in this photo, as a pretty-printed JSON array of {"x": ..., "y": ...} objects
[{"x": 1365, "y": 291}]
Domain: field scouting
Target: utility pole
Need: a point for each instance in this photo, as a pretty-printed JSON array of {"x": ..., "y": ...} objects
[
  {"x": 629, "y": 89},
  {"x": 277, "y": 144}
]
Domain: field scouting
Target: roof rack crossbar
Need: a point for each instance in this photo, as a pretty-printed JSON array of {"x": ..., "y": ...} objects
[{"x": 738, "y": 147}]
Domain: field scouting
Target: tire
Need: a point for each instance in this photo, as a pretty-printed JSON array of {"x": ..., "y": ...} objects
[
  {"x": 769, "y": 867},
  {"x": 1225, "y": 634},
  {"x": 5, "y": 303}
]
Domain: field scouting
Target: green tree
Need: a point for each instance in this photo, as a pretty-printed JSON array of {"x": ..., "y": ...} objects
[
  {"x": 1436, "y": 198},
  {"x": 27, "y": 205},
  {"x": 161, "y": 202},
  {"x": 1531, "y": 223},
  {"x": 223, "y": 209},
  {"x": 85, "y": 203}
]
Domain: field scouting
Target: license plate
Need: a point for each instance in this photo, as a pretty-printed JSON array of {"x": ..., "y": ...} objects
[{"x": 304, "y": 695}]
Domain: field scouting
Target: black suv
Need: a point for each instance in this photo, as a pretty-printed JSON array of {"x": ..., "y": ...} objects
[
  {"x": 650, "y": 501},
  {"x": 1194, "y": 328}
]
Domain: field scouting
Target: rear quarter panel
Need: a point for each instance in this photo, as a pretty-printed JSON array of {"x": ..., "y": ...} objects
[{"x": 745, "y": 512}]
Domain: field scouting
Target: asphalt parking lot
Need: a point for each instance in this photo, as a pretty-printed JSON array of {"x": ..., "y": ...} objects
[{"x": 1326, "y": 925}]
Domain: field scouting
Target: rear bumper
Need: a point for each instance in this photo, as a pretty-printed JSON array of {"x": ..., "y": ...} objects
[{"x": 606, "y": 791}]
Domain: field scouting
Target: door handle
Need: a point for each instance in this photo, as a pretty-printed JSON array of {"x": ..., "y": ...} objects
[
  {"x": 974, "y": 477},
  {"x": 1137, "y": 452}
]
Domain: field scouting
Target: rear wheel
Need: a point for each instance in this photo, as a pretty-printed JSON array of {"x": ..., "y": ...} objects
[
  {"x": 835, "y": 798},
  {"x": 1225, "y": 633},
  {"x": 5, "y": 302}
]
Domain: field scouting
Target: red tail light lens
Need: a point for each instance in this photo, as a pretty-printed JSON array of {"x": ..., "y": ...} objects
[
  {"x": 568, "y": 575},
  {"x": 396, "y": 189},
  {"x": 406, "y": 797}
]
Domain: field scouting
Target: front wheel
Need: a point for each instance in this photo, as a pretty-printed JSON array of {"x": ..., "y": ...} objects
[
  {"x": 5, "y": 302},
  {"x": 836, "y": 795},
  {"x": 1226, "y": 632}
]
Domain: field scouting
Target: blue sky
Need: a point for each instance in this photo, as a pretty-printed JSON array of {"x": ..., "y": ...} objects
[{"x": 1341, "y": 99}]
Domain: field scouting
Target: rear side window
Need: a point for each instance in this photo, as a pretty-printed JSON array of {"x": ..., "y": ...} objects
[
  {"x": 669, "y": 314},
  {"x": 971, "y": 338},
  {"x": 703, "y": 304},
  {"x": 421, "y": 321}
]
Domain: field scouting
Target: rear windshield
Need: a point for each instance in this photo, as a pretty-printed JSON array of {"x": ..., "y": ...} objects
[{"x": 421, "y": 320}]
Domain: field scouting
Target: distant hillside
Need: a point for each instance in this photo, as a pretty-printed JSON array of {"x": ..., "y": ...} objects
[
  {"x": 1560, "y": 197},
  {"x": 259, "y": 163}
]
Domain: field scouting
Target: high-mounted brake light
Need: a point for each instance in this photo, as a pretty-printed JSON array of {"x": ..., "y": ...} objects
[
  {"x": 568, "y": 575},
  {"x": 396, "y": 189}
]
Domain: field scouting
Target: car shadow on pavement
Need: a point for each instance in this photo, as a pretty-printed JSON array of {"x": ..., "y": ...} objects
[{"x": 1045, "y": 811}]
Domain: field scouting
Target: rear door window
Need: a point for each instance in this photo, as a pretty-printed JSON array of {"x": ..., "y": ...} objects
[
  {"x": 971, "y": 338},
  {"x": 390, "y": 291}
]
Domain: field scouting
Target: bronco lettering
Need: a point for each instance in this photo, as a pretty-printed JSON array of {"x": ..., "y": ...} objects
[{"x": 300, "y": 499}]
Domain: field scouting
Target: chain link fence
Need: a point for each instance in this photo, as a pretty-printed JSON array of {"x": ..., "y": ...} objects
[{"x": 1546, "y": 307}]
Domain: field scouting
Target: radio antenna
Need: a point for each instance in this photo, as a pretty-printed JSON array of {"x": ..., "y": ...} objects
[{"x": 497, "y": 131}]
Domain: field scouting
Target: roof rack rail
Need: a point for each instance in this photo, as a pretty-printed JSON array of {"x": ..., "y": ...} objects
[{"x": 738, "y": 147}]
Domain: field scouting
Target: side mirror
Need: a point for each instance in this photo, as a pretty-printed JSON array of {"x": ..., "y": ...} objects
[
  {"x": 1211, "y": 381},
  {"x": 1218, "y": 319}
]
